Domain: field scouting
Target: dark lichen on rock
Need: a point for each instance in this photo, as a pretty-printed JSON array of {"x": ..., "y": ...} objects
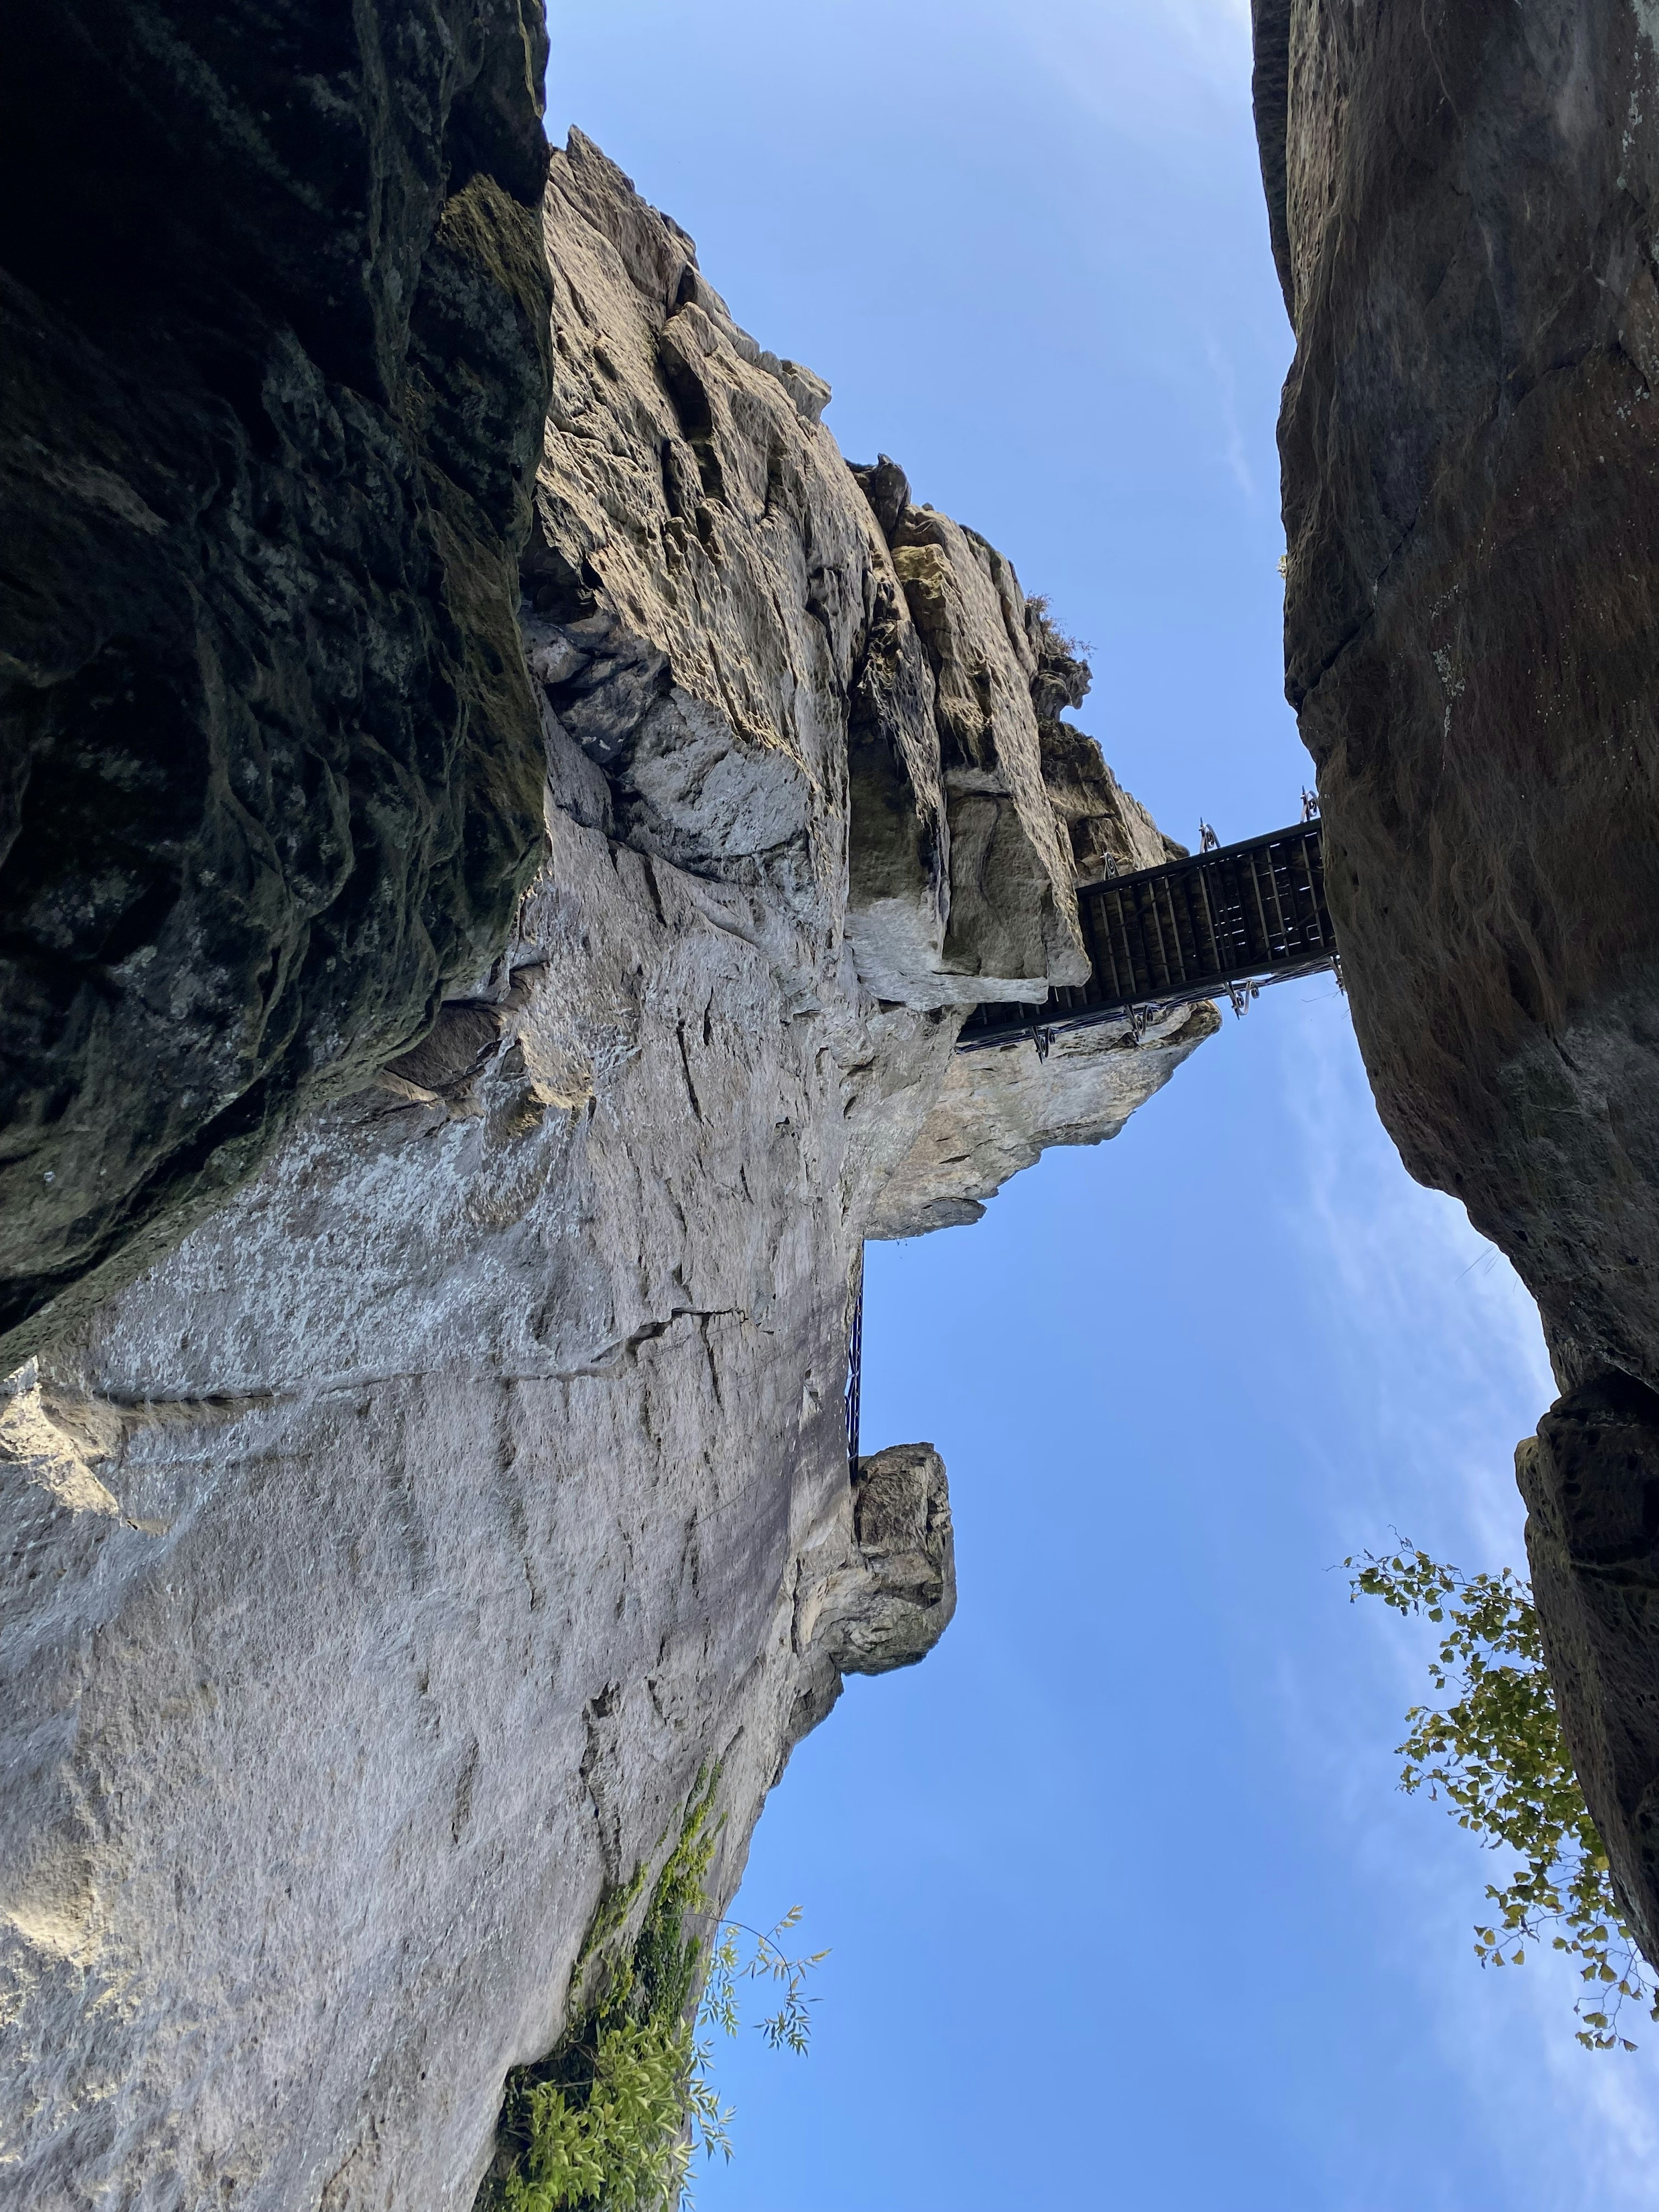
[{"x": 275, "y": 365}]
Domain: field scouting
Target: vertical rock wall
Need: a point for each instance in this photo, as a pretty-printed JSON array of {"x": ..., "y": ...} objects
[
  {"x": 1464, "y": 202},
  {"x": 386, "y": 1564}
]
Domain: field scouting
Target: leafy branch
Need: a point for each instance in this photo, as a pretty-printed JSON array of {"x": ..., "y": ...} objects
[
  {"x": 1497, "y": 1755},
  {"x": 790, "y": 2028}
]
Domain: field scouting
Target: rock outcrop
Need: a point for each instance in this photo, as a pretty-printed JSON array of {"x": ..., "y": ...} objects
[
  {"x": 388, "y": 1563},
  {"x": 876, "y": 1590},
  {"x": 273, "y": 351},
  {"x": 1464, "y": 200},
  {"x": 996, "y": 1112}
]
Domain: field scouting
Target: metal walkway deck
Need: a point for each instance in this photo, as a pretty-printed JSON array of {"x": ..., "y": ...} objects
[{"x": 1218, "y": 924}]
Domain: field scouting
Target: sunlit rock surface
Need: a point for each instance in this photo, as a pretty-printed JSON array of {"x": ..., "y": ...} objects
[
  {"x": 1464, "y": 201},
  {"x": 998, "y": 1111},
  {"x": 387, "y": 1563}
]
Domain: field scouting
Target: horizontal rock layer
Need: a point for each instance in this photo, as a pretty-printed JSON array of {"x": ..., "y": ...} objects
[
  {"x": 1464, "y": 200},
  {"x": 388, "y": 1563}
]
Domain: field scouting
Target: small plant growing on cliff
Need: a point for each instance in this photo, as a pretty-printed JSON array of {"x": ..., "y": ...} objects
[
  {"x": 609, "y": 2120},
  {"x": 1497, "y": 1755},
  {"x": 761, "y": 1959},
  {"x": 1054, "y": 638}
]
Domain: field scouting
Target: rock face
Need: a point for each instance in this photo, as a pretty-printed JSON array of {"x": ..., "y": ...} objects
[
  {"x": 998, "y": 1111},
  {"x": 274, "y": 358},
  {"x": 878, "y": 1589},
  {"x": 388, "y": 1562},
  {"x": 1590, "y": 1479},
  {"x": 1464, "y": 201}
]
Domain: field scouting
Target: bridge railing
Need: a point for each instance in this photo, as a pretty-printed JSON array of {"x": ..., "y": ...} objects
[
  {"x": 854, "y": 1389},
  {"x": 1235, "y": 916}
]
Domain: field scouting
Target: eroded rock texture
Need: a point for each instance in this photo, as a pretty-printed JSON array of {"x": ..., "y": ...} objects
[
  {"x": 274, "y": 366},
  {"x": 1465, "y": 202},
  {"x": 386, "y": 1564}
]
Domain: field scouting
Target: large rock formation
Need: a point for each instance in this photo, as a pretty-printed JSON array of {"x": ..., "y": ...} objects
[
  {"x": 1464, "y": 201},
  {"x": 273, "y": 352},
  {"x": 387, "y": 1563}
]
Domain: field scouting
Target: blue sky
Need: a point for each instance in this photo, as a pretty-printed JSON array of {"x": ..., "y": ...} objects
[{"x": 1125, "y": 1911}]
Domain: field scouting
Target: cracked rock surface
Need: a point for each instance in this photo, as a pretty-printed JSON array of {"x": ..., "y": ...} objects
[
  {"x": 386, "y": 1564},
  {"x": 1464, "y": 202}
]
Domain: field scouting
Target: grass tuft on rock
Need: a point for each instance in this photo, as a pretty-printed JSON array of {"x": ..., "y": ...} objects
[{"x": 608, "y": 2120}]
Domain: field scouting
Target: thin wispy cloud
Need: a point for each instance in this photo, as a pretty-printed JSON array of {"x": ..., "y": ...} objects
[
  {"x": 1442, "y": 1363},
  {"x": 1439, "y": 1341},
  {"x": 1234, "y": 453},
  {"x": 1154, "y": 68}
]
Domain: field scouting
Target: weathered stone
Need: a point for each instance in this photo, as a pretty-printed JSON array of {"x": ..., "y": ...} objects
[
  {"x": 1011, "y": 912},
  {"x": 389, "y": 1561},
  {"x": 722, "y": 560},
  {"x": 904, "y": 1590},
  {"x": 898, "y": 832},
  {"x": 878, "y": 1589},
  {"x": 1107, "y": 832},
  {"x": 1590, "y": 1478},
  {"x": 887, "y": 488},
  {"x": 1000, "y": 1108},
  {"x": 1463, "y": 199},
  {"x": 274, "y": 365}
]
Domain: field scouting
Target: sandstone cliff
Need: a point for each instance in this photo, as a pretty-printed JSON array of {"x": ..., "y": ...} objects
[
  {"x": 1464, "y": 201},
  {"x": 388, "y": 1562},
  {"x": 273, "y": 344}
]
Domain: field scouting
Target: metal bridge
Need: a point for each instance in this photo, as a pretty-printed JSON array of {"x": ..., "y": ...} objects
[{"x": 1219, "y": 924}]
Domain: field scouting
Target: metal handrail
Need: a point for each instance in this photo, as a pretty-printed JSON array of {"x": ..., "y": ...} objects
[{"x": 854, "y": 1369}]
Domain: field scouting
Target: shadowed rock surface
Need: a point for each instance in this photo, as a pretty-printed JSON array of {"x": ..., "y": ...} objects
[
  {"x": 274, "y": 369},
  {"x": 1464, "y": 201},
  {"x": 388, "y": 1562},
  {"x": 1590, "y": 1479}
]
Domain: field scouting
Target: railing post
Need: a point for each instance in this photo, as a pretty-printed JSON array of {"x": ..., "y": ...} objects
[{"x": 855, "y": 1365}]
